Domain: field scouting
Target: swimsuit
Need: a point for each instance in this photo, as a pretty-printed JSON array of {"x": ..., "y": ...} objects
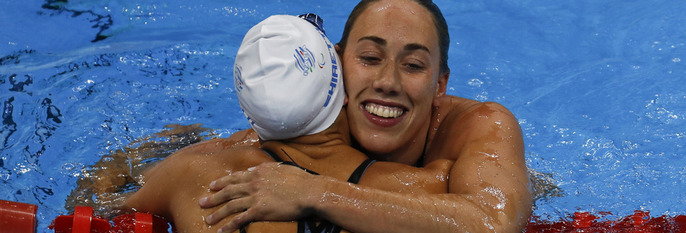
[{"x": 309, "y": 224}]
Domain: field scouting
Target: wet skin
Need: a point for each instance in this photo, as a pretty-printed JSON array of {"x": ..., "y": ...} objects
[
  {"x": 172, "y": 187},
  {"x": 391, "y": 63}
]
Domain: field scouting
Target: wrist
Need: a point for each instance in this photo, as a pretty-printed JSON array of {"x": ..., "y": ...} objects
[{"x": 325, "y": 192}]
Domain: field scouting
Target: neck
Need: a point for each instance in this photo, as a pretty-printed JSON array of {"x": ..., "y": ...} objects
[
  {"x": 327, "y": 152},
  {"x": 320, "y": 145},
  {"x": 338, "y": 131}
]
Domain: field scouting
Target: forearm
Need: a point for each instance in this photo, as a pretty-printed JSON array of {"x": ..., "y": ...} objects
[{"x": 361, "y": 209}]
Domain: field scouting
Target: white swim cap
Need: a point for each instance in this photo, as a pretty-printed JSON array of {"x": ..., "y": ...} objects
[{"x": 288, "y": 78}]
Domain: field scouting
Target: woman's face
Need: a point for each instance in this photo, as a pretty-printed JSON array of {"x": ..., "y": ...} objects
[{"x": 391, "y": 70}]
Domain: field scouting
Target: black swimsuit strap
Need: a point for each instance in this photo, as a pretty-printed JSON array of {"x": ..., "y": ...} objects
[
  {"x": 310, "y": 224},
  {"x": 275, "y": 157},
  {"x": 357, "y": 174}
]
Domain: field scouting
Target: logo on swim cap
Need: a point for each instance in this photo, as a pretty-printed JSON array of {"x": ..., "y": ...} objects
[
  {"x": 323, "y": 63},
  {"x": 304, "y": 60},
  {"x": 238, "y": 78}
]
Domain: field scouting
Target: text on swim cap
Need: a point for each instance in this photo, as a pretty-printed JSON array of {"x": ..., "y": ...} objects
[{"x": 334, "y": 69}]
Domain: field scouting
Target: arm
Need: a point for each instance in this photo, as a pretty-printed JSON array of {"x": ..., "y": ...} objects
[
  {"x": 488, "y": 189},
  {"x": 103, "y": 183}
]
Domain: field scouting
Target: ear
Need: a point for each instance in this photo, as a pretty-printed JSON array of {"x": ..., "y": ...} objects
[
  {"x": 338, "y": 50},
  {"x": 340, "y": 55},
  {"x": 442, "y": 84},
  {"x": 441, "y": 87}
]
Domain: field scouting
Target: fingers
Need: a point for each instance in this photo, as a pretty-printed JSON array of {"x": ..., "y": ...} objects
[
  {"x": 238, "y": 221},
  {"x": 232, "y": 207},
  {"x": 241, "y": 176},
  {"x": 228, "y": 193},
  {"x": 226, "y": 188},
  {"x": 231, "y": 178}
]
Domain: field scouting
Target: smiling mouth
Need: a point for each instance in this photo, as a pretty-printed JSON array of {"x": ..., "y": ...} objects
[{"x": 384, "y": 111}]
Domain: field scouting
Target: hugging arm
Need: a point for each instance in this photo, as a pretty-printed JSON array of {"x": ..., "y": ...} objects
[
  {"x": 104, "y": 185},
  {"x": 488, "y": 186},
  {"x": 488, "y": 189}
]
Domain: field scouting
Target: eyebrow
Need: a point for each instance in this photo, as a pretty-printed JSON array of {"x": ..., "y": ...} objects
[
  {"x": 374, "y": 39},
  {"x": 382, "y": 42},
  {"x": 411, "y": 47}
]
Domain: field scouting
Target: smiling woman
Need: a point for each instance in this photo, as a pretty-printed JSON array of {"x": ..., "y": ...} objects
[{"x": 390, "y": 70}]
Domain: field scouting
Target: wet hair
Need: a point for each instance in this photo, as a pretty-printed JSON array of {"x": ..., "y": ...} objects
[{"x": 439, "y": 22}]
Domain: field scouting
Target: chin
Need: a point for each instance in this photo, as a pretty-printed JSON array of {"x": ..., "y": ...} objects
[{"x": 379, "y": 150}]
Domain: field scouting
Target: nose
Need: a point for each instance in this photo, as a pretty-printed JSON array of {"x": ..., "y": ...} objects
[{"x": 388, "y": 80}]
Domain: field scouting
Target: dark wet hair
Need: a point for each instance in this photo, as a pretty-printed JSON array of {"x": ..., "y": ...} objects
[{"x": 439, "y": 22}]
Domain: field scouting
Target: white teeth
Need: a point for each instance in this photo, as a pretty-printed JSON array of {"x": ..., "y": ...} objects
[{"x": 384, "y": 111}]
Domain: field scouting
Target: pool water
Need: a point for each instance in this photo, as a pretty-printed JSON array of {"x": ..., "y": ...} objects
[{"x": 597, "y": 87}]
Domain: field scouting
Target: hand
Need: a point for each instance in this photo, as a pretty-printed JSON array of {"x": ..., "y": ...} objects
[{"x": 268, "y": 192}]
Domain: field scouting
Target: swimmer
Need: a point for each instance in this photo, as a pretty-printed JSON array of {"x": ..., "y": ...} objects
[{"x": 288, "y": 81}]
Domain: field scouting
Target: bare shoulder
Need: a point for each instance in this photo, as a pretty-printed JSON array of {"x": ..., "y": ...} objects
[
  {"x": 212, "y": 154},
  {"x": 459, "y": 123},
  {"x": 236, "y": 152},
  {"x": 485, "y": 141},
  {"x": 486, "y": 116},
  {"x": 171, "y": 184},
  {"x": 241, "y": 138},
  {"x": 452, "y": 109}
]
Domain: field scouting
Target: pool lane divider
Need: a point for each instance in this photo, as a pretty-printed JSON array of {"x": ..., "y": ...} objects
[
  {"x": 639, "y": 222},
  {"x": 83, "y": 221},
  {"x": 17, "y": 217}
]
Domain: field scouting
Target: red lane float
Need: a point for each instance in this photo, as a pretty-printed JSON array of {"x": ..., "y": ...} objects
[
  {"x": 17, "y": 217},
  {"x": 639, "y": 222},
  {"x": 83, "y": 221},
  {"x": 21, "y": 218}
]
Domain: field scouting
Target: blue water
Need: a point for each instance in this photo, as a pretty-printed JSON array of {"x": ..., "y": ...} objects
[{"x": 597, "y": 87}]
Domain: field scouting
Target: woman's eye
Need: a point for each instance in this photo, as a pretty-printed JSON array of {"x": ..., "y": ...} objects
[
  {"x": 414, "y": 66},
  {"x": 370, "y": 59}
]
